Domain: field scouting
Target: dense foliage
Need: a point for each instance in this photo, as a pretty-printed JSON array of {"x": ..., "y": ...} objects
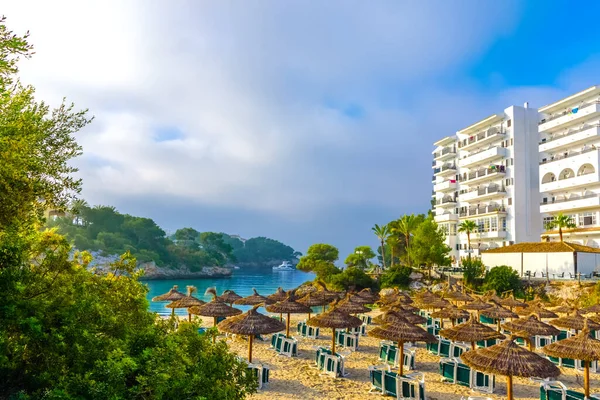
[
  {"x": 473, "y": 270},
  {"x": 260, "y": 250},
  {"x": 501, "y": 279},
  {"x": 360, "y": 258},
  {"x": 351, "y": 278},
  {"x": 67, "y": 331},
  {"x": 397, "y": 276}
]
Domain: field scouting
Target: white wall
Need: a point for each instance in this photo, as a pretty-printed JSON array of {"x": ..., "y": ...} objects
[
  {"x": 536, "y": 262},
  {"x": 587, "y": 262},
  {"x": 491, "y": 260}
]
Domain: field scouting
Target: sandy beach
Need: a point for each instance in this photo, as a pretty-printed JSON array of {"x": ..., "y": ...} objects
[{"x": 295, "y": 378}]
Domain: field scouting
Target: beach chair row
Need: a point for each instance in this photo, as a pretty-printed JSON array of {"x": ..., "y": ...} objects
[
  {"x": 347, "y": 340},
  {"x": 405, "y": 387},
  {"x": 283, "y": 345},
  {"x": 454, "y": 371},
  {"x": 555, "y": 390},
  {"x": 261, "y": 372},
  {"x": 366, "y": 319},
  {"x": 390, "y": 355},
  {"x": 446, "y": 348},
  {"x": 331, "y": 364},
  {"x": 570, "y": 363},
  {"x": 307, "y": 331}
]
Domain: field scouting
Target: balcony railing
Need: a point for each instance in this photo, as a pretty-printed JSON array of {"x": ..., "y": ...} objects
[
  {"x": 573, "y": 132},
  {"x": 446, "y": 200},
  {"x": 569, "y": 155},
  {"x": 444, "y": 151},
  {"x": 444, "y": 168},
  {"x": 480, "y": 136},
  {"x": 481, "y": 210},
  {"x": 483, "y": 172},
  {"x": 556, "y": 201},
  {"x": 555, "y": 116}
]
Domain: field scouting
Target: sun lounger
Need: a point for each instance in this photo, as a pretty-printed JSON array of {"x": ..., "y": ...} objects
[
  {"x": 376, "y": 378},
  {"x": 433, "y": 347},
  {"x": 475, "y": 398},
  {"x": 389, "y": 354},
  {"x": 359, "y": 331},
  {"x": 347, "y": 340},
  {"x": 541, "y": 341},
  {"x": 444, "y": 347},
  {"x": 405, "y": 387},
  {"x": 331, "y": 364},
  {"x": 486, "y": 343},
  {"x": 283, "y": 345},
  {"x": 456, "y": 349},
  {"x": 261, "y": 372},
  {"x": 433, "y": 329},
  {"x": 366, "y": 319},
  {"x": 555, "y": 390},
  {"x": 453, "y": 371},
  {"x": 485, "y": 320},
  {"x": 307, "y": 331}
]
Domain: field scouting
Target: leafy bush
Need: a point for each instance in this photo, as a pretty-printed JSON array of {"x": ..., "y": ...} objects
[
  {"x": 473, "y": 270},
  {"x": 502, "y": 279},
  {"x": 350, "y": 278},
  {"x": 397, "y": 276}
]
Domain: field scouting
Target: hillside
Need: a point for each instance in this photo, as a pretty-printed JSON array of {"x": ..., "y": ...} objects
[{"x": 105, "y": 231}]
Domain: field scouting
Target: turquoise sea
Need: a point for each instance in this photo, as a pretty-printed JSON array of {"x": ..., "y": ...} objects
[{"x": 242, "y": 282}]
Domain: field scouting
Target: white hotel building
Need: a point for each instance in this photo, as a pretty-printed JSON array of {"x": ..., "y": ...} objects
[
  {"x": 569, "y": 154},
  {"x": 488, "y": 172}
]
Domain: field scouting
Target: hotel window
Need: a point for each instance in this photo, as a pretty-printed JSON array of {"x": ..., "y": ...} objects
[
  {"x": 508, "y": 123},
  {"x": 480, "y": 225},
  {"x": 573, "y": 218},
  {"x": 587, "y": 219},
  {"x": 494, "y": 224},
  {"x": 486, "y": 224},
  {"x": 548, "y": 222},
  {"x": 511, "y": 141},
  {"x": 503, "y": 223},
  {"x": 452, "y": 231},
  {"x": 510, "y": 201}
]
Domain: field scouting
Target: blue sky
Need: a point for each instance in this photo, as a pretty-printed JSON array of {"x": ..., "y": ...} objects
[{"x": 303, "y": 121}]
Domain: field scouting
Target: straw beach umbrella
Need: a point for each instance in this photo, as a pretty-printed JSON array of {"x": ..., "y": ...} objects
[
  {"x": 595, "y": 309},
  {"x": 253, "y": 299},
  {"x": 186, "y": 302},
  {"x": 579, "y": 347},
  {"x": 334, "y": 319},
  {"x": 574, "y": 321},
  {"x": 388, "y": 316},
  {"x": 497, "y": 312},
  {"x": 349, "y": 306},
  {"x": 399, "y": 305},
  {"x": 312, "y": 299},
  {"x": 368, "y": 295},
  {"x": 470, "y": 331},
  {"x": 476, "y": 305},
  {"x": 511, "y": 302},
  {"x": 229, "y": 297},
  {"x": 530, "y": 326},
  {"x": 250, "y": 324},
  {"x": 279, "y": 295},
  {"x": 509, "y": 359},
  {"x": 457, "y": 296},
  {"x": 171, "y": 295},
  {"x": 399, "y": 330},
  {"x": 563, "y": 309},
  {"x": 215, "y": 308},
  {"x": 288, "y": 306},
  {"x": 452, "y": 313},
  {"x": 537, "y": 310}
]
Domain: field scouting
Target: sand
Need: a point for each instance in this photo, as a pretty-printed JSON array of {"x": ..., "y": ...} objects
[{"x": 296, "y": 377}]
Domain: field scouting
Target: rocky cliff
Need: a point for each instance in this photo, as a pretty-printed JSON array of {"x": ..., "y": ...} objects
[{"x": 152, "y": 272}]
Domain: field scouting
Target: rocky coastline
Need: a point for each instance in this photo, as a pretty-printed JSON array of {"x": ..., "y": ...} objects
[{"x": 152, "y": 272}]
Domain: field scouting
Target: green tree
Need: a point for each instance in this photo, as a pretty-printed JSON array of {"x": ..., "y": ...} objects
[
  {"x": 473, "y": 269},
  {"x": 352, "y": 278},
  {"x": 397, "y": 276},
  {"x": 320, "y": 258},
  {"x": 187, "y": 235},
  {"x": 216, "y": 247},
  {"x": 428, "y": 245},
  {"x": 406, "y": 227},
  {"x": 501, "y": 279},
  {"x": 260, "y": 251},
  {"x": 361, "y": 257},
  {"x": 382, "y": 232},
  {"x": 561, "y": 221},
  {"x": 468, "y": 226}
]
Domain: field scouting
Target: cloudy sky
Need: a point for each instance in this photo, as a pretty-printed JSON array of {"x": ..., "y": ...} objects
[{"x": 305, "y": 121}]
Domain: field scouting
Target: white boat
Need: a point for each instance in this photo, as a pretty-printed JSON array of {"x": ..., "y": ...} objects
[{"x": 285, "y": 266}]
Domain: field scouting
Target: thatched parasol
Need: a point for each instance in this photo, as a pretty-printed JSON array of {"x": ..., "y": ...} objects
[
  {"x": 497, "y": 312},
  {"x": 595, "y": 309},
  {"x": 457, "y": 296},
  {"x": 215, "y": 308},
  {"x": 470, "y": 331},
  {"x": 509, "y": 359},
  {"x": 530, "y": 326},
  {"x": 251, "y": 323},
  {"x": 574, "y": 321},
  {"x": 334, "y": 319},
  {"x": 538, "y": 310},
  {"x": 288, "y": 306},
  {"x": 511, "y": 302},
  {"x": 279, "y": 295},
  {"x": 431, "y": 303},
  {"x": 171, "y": 295},
  {"x": 351, "y": 307},
  {"x": 186, "y": 302},
  {"x": 400, "y": 305},
  {"x": 312, "y": 299},
  {"x": 452, "y": 313},
  {"x": 387, "y": 316},
  {"x": 368, "y": 295},
  {"x": 492, "y": 298},
  {"x": 476, "y": 305},
  {"x": 563, "y": 309},
  {"x": 253, "y": 299},
  {"x": 398, "y": 329},
  {"x": 578, "y": 347},
  {"x": 229, "y": 296}
]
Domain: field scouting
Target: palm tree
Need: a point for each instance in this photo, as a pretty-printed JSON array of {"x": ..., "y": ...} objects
[
  {"x": 468, "y": 226},
  {"x": 382, "y": 233},
  {"x": 561, "y": 221},
  {"x": 406, "y": 226},
  {"x": 392, "y": 242},
  {"x": 77, "y": 206}
]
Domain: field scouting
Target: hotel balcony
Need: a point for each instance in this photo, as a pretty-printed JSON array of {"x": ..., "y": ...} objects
[
  {"x": 446, "y": 202},
  {"x": 584, "y": 156},
  {"x": 484, "y": 174},
  {"x": 445, "y": 170},
  {"x": 482, "y": 210},
  {"x": 482, "y": 236},
  {"x": 483, "y": 157},
  {"x": 574, "y": 182},
  {"x": 489, "y": 136},
  {"x": 569, "y": 117},
  {"x": 568, "y": 204},
  {"x": 446, "y": 186},
  {"x": 445, "y": 154},
  {"x": 482, "y": 194},
  {"x": 446, "y": 216},
  {"x": 572, "y": 138}
]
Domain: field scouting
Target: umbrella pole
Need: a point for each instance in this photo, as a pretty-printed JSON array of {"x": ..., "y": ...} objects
[
  {"x": 498, "y": 324},
  {"x": 214, "y": 326},
  {"x": 281, "y": 317},
  {"x": 586, "y": 378},
  {"x": 441, "y": 323},
  {"x": 172, "y": 312},
  {"x": 323, "y": 307},
  {"x": 333, "y": 341},
  {"x": 308, "y": 315},
  {"x": 250, "y": 338},
  {"x": 287, "y": 326},
  {"x": 189, "y": 317},
  {"x": 530, "y": 343},
  {"x": 401, "y": 368},
  {"x": 509, "y": 391},
  {"x": 472, "y": 345}
]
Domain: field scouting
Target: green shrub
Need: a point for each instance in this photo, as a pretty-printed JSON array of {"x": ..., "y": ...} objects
[
  {"x": 351, "y": 277},
  {"x": 502, "y": 279},
  {"x": 397, "y": 276},
  {"x": 473, "y": 269}
]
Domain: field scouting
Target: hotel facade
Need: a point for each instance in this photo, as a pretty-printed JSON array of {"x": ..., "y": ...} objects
[{"x": 512, "y": 172}]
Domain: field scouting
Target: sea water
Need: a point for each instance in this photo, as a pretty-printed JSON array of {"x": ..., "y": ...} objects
[{"x": 242, "y": 281}]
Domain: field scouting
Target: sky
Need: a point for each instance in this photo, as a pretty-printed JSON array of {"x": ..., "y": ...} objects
[{"x": 303, "y": 121}]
